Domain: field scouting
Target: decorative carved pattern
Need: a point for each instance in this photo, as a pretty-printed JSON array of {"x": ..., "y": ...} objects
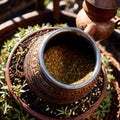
[{"x": 42, "y": 86}]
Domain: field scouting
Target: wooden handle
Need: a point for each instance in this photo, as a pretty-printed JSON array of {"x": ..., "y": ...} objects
[{"x": 91, "y": 29}]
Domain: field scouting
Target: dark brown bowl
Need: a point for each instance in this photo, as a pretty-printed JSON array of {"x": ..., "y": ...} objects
[
  {"x": 44, "y": 84},
  {"x": 98, "y": 14}
]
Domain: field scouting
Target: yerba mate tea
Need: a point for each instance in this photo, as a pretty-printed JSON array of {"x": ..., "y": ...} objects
[{"x": 69, "y": 60}]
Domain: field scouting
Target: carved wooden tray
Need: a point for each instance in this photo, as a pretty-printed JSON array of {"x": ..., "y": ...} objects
[{"x": 30, "y": 102}]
